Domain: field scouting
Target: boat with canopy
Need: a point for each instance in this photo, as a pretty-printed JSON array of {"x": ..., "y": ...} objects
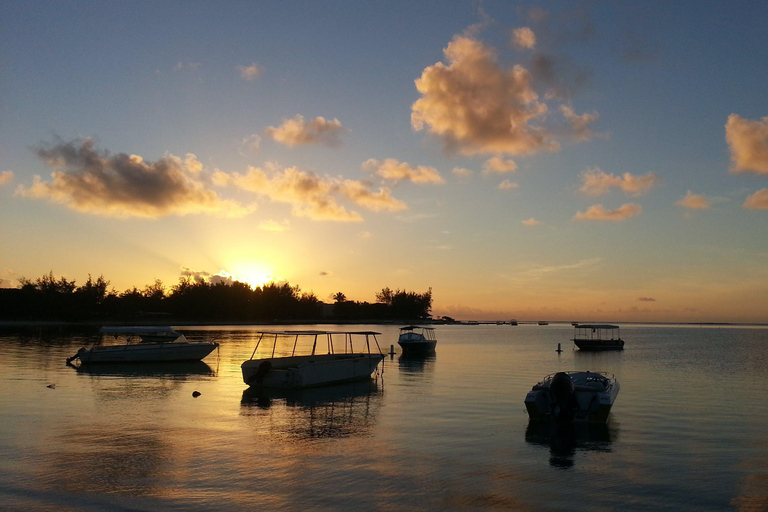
[{"x": 348, "y": 356}]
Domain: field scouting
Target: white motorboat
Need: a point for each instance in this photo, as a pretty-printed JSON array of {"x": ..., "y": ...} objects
[
  {"x": 573, "y": 396},
  {"x": 414, "y": 338},
  {"x": 597, "y": 337},
  {"x": 144, "y": 345},
  {"x": 286, "y": 369}
]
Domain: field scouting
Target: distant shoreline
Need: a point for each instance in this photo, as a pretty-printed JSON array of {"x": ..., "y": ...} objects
[{"x": 470, "y": 323}]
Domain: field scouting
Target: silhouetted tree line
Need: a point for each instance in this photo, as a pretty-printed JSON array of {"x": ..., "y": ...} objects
[{"x": 52, "y": 299}]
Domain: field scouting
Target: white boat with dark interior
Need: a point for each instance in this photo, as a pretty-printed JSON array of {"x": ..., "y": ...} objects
[
  {"x": 143, "y": 345},
  {"x": 597, "y": 337},
  {"x": 414, "y": 338},
  {"x": 573, "y": 396},
  {"x": 281, "y": 367}
]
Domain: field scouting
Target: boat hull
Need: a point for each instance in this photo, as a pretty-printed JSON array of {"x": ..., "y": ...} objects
[
  {"x": 418, "y": 346},
  {"x": 309, "y": 371},
  {"x": 146, "y": 352},
  {"x": 599, "y": 344}
]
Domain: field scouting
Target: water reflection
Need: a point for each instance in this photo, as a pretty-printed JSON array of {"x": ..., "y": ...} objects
[
  {"x": 160, "y": 369},
  {"x": 340, "y": 410},
  {"x": 416, "y": 362},
  {"x": 89, "y": 460},
  {"x": 564, "y": 440}
]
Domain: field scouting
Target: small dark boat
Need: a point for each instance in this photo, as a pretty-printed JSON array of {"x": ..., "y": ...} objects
[{"x": 597, "y": 337}]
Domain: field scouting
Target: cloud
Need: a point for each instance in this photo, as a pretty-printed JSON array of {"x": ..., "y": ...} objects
[
  {"x": 507, "y": 185},
  {"x": 394, "y": 170},
  {"x": 694, "y": 201},
  {"x": 598, "y": 212},
  {"x": 476, "y": 106},
  {"x": 252, "y": 143},
  {"x": 310, "y": 195},
  {"x": 461, "y": 171},
  {"x": 325, "y": 273},
  {"x": 523, "y": 37},
  {"x": 580, "y": 125},
  {"x": 539, "y": 272},
  {"x": 198, "y": 276},
  {"x": 297, "y": 132},
  {"x": 273, "y": 225},
  {"x": 646, "y": 299},
  {"x": 530, "y": 222},
  {"x": 251, "y": 72},
  {"x": 748, "y": 141},
  {"x": 497, "y": 164},
  {"x": 757, "y": 201},
  {"x": 121, "y": 185},
  {"x": 6, "y": 177},
  {"x": 597, "y": 182}
]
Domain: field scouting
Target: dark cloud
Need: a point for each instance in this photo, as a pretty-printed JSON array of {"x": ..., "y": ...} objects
[{"x": 122, "y": 185}]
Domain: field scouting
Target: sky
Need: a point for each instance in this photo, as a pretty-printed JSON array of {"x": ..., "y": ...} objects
[{"x": 573, "y": 161}]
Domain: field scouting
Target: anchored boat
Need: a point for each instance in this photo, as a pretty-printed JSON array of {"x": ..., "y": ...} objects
[
  {"x": 144, "y": 345},
  {"x": 357, "y": 360},
  {"x": 414, "y": 338},
  {"x": 597, "y": 337},
  {"x": 573, "y": 396}
]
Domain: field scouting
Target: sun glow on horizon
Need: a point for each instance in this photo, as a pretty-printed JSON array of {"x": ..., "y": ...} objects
[{"x": 255, "y": 274}]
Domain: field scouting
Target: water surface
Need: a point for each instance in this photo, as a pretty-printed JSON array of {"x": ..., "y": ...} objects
[{"x": 446, "y": 432}]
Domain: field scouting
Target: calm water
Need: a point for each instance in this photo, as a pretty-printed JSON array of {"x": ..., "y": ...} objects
[{"x": 687, "y": 432}]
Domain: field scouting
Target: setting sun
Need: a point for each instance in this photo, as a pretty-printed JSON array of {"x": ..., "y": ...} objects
[{"x": 255, "y": 274}]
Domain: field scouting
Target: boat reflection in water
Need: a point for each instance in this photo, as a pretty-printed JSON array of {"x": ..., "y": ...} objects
[
  {"x": 566, "y": 439},
  {"x": 416, "y": 362},
  {"x": 157, "y": 369},
  {"x": 340, "y": 410}
]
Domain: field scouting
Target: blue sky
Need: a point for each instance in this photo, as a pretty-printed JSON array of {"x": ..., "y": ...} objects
[{"x": 555, "y": 160}]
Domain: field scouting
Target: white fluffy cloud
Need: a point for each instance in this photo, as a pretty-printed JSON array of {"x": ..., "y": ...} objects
[
  {"x": 598, "y": 212},
  {"x": 694, "y": 201},
  {"x": 297, "y": 132},
  {"x": 311, "y": 195},
  {"x": 597, "y": 182},
  {"x": 394, "y": 170},
  {"x": 477, "y": 106},
  {"x": 748, "y": 141},
  {"x": 122, "y": 185},
  {"x": 530, "y": 222},
  {"x": 757, "y": 201}
]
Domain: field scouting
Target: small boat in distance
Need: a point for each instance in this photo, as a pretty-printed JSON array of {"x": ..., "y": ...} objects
[
  {"x": 155, "y": 344},
  {"x": 573, "y": 396},
  {"x": 597, "y": 337},
  {"x": 288, "y": 370},
  {"x": 414, "y": 338}
]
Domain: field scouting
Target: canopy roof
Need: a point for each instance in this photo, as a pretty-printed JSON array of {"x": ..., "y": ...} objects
[
  {"x": 314, "y": 333},
  {"x": 596, "y": 326},
  {"x": 412, "y": 327}
]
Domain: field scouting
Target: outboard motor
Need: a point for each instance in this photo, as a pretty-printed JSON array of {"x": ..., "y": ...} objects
[
  {"x": 562, "y": 390},
  {"x": 262, "y": 370}
]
